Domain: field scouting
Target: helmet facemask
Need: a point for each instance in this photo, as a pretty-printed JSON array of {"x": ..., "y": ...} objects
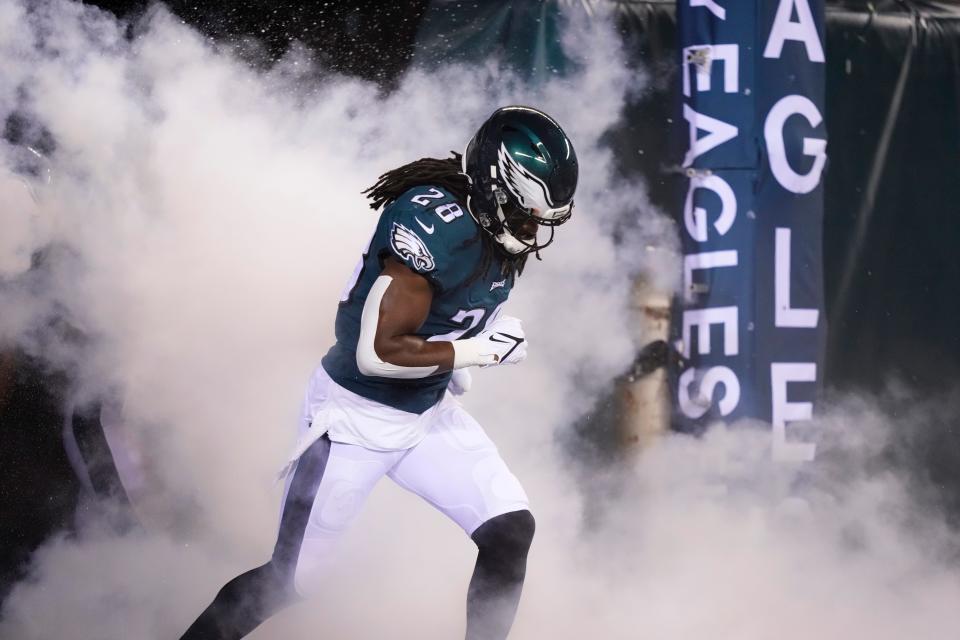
[{"x": 516, "y": 223}]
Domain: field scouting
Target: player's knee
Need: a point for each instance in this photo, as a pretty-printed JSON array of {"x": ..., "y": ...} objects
[{"x": 509, "y": 533}]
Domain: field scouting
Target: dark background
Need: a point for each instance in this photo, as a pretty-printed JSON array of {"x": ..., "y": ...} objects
[{"x": 369, "y": 39}]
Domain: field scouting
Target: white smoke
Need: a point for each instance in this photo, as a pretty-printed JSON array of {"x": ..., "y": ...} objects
[{"x": 214, "y": 213}]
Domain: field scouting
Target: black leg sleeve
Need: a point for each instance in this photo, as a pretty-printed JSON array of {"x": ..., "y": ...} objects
[
  {"x": 91, "y": 442},
  {"x": 497, "y": 581},
  {"x": 252, "y": 597},
  {"x": 242, "y": 604}
]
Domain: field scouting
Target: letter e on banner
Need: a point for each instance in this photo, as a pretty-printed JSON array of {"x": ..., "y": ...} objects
[
  {"x": 702, "y": 319},
  {"x": 702, "y": 57},
  {"x": 784, "y": 411}
]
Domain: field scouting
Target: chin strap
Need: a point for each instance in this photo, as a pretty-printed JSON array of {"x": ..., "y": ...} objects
[{"x": 510, "y": 243}]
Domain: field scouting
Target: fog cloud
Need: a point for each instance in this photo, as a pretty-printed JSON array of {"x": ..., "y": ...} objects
[{"x": 210, "y": 213}]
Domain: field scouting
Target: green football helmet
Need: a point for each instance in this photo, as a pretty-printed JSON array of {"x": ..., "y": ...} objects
[{"x": 522, "y": 169}]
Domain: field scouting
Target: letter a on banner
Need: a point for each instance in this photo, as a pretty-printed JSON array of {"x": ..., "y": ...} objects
[
  {"x": 804, "y": 30},
  {"x": 718, "y": 132}
]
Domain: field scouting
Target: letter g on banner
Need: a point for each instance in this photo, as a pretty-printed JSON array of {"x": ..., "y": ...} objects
[
  {"x": 776, "y": 149},
  {"x": 695, "y": 218}
]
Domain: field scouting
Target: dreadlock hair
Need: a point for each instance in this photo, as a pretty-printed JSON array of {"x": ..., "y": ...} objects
[
  {"x": 425, "y": 171},
  {"x": 445, "y": 174}
]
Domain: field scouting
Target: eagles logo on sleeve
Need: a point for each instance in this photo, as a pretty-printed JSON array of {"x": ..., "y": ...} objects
[{"x": 411, "y": 248}]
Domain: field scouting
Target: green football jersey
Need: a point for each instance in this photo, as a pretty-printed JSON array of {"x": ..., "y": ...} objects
[{"x": 434, "y": 235}]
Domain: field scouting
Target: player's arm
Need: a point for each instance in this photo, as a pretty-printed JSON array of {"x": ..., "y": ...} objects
[{"x": 397, "y": 306}]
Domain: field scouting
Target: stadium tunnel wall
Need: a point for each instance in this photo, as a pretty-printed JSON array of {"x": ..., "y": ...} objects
[
  {"x": 890, "y": 190},
  {"x": 890, "y": 260},
  {"x": 749, "y": 320}
]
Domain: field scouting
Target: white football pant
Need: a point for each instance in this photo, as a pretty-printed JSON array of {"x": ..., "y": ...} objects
[{"x": 454, "y": 466}]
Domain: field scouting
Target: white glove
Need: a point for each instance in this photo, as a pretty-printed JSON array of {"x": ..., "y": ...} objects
[
  {"x": 502, "y": 342},
  {"x": 460, "y": 382}
]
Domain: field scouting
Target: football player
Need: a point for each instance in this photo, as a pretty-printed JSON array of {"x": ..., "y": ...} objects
[{"x": 422, "y": 307}]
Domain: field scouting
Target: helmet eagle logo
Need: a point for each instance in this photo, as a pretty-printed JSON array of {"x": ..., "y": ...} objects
[
  {"x": 411, "y": 248},
  {"x": 529, "y": 190}
]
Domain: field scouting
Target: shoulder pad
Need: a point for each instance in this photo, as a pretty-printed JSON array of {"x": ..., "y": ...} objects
[{"x": 423, "y": 227}]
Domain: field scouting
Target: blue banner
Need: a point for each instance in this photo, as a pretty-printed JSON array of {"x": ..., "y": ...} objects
[{"x": 750, "y": 317}]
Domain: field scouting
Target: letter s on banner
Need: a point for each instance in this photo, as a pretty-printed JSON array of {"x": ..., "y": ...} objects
[
  {"x": 776, "y": 150},
  {"x": 695, "y": 407}
]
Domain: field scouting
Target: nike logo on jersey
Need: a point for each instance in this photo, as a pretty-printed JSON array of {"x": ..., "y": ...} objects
[
  {"x": 497, "y": 285},
  {"x": 423, "y": 226}
]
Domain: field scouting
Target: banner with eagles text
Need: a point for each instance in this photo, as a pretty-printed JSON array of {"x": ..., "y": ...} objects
[{"x": 750, "y": 319}]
